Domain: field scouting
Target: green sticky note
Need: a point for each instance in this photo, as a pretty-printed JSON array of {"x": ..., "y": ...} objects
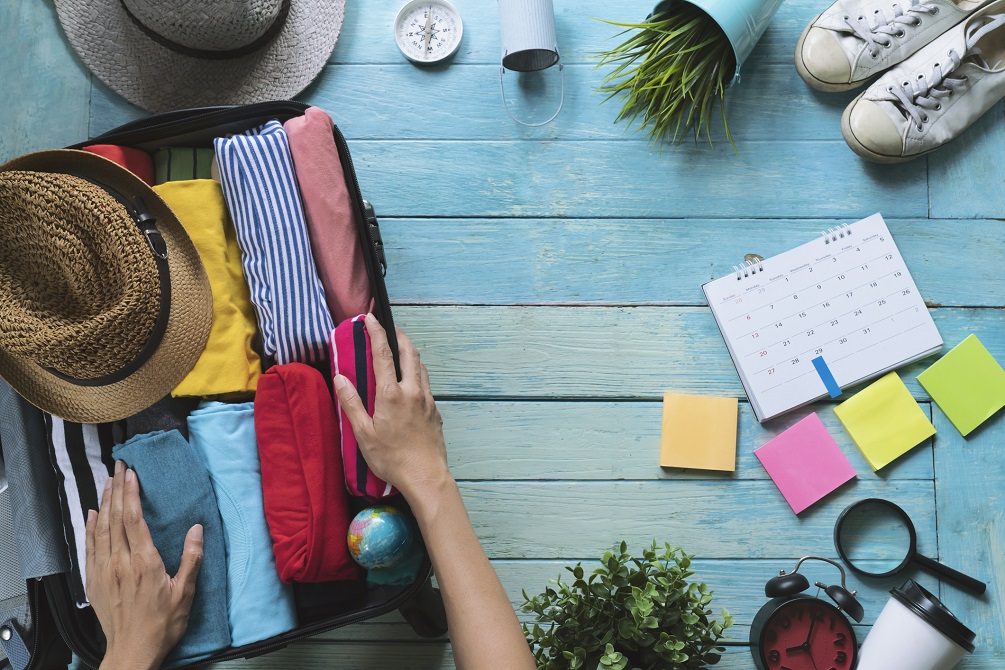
[
  {"x": 884, "y": 420},
  {"x": 967, "y": 383}
]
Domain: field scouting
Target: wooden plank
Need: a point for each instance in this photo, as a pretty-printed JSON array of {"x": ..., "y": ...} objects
[
  {"x": 970, "y": 491},
  {"x": 367, "y": 37},
  {"x": 738, "y": 586},
  {"x": 606, "y": 178},
  {"x": 437, "y": 656},
  {"x": 608, "y": 352},
  {"x": 652, "y": 261},
  {"x": 45, "y": 79},
  {"x": 463, "y": 102},
  {"x": 967, "y": 175},
  {"x": 744, "y": 519},
  {"x": 110, "y": 110},
  {"x": 499, "y": 441}
]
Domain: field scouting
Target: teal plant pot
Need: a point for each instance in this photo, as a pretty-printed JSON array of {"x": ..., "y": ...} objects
[{"x": 743, "y": 22}]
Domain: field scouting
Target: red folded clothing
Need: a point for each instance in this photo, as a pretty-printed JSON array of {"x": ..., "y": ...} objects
[
  {"x": 306, "y": 505},
  {"x": 139, "y": 162}
]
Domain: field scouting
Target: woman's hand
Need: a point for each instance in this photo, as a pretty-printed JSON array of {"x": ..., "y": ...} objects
[
  {"x": 403, "y": 441},
  {"x": 143, "y": 611}
]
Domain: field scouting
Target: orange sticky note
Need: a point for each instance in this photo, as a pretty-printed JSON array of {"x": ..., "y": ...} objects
[{"x": 699, "y": 432}]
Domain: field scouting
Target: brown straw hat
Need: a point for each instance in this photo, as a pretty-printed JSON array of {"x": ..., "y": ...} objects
[{"x": 104, "y": 303}]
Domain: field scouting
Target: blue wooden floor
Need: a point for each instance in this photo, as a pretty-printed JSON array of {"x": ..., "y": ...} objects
[{"x": 551, "y": 279}]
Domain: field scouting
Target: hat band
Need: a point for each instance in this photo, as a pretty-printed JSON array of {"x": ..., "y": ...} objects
[
  {"x": 215, "y": 54},
  {"x": 148, "y": 226}
]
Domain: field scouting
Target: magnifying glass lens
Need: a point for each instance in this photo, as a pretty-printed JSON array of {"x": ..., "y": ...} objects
[{"x": 875, "y": 539}]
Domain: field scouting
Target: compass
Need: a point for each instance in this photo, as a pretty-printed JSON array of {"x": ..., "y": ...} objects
[{"x": 428, "y": 31}]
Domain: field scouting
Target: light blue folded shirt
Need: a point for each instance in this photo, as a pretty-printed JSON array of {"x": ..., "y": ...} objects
[{"x": 261, "y": 606}]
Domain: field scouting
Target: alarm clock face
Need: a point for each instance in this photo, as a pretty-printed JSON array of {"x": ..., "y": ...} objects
[{"x": 807, "y": 634}]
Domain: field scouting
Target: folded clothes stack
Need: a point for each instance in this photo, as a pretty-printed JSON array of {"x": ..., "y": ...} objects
[{"x": 248, "y": 442}]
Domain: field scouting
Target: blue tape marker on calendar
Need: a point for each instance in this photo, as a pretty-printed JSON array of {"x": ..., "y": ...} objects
[{"x": 826, "y": 377}]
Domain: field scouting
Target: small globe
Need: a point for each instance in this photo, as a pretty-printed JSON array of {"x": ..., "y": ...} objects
[{"x": 379, "y": 537}]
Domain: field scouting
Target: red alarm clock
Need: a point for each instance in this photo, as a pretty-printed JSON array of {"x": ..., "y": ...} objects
[{"x": 793, "y": 631}]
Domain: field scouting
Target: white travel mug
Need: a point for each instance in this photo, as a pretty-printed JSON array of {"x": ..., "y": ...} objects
[{"x": 915, "y": 631}]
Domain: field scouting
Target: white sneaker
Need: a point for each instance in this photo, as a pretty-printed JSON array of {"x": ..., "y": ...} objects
[
  {"x": 933, "y": 96},
  {"x": 853, "y": 40}
]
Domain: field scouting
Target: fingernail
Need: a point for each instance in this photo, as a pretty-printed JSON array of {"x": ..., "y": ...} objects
[
  {"x": 340, "y": 382},
  {"x": 197, "y": 531},
  {"x": 119, "y": 467},
  {"x": 108, "y": 483},
  {"x": 130, "y": 475},
  {"x": 90, "y": 515},
  {"x": 370, "y": 317}
]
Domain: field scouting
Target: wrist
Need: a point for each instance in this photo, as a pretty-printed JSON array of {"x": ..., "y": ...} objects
[
  {"x": 428, "y": 496},
  {"x": 120, "y": 659}
]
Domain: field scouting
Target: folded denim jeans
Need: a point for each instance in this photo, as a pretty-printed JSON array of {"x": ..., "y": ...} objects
[
  {"x": 176, "y": 494},
  {"x": 261, "y": 605}
]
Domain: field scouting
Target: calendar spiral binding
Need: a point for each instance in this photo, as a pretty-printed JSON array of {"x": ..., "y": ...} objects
[
  {"x": 750, "y": 266},
  {"x": 835, "y": 234}
]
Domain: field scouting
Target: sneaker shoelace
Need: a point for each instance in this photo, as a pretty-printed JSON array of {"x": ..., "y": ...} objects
[
  {"x": 916, "y": 98},
  {"x": 882, "y": 33}
]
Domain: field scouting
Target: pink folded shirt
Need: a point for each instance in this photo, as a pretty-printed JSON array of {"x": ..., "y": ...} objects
[{"x": 331, "y": 220}]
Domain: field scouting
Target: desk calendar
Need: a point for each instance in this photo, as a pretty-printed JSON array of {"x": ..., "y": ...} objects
[{"x": 821, "y": 317}]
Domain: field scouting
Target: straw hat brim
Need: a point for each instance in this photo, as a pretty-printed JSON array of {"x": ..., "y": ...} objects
[
  {"x": 159, "y": 79},
  {"x": 189, "y": 320}
]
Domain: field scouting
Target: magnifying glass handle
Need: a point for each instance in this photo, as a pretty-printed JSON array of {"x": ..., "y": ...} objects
[{"x": 967, "y": 582}]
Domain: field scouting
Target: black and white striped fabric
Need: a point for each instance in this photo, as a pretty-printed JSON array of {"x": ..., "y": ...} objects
[{"x": 82, "y": 455}]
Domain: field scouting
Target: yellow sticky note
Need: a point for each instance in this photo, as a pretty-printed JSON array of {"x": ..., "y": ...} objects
[
  {"x": 885, "y": 421},
  {"x": 967, "y": 383},
  {"x": 699, "y": 432}
]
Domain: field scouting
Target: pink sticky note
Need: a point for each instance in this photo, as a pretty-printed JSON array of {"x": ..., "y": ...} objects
[{"x": 805, "y": 463}]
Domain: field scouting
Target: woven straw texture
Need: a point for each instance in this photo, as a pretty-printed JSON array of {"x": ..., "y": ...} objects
[
  {"x": 191, "y": 302},
  {"x": 159, "y": 79},
  {"x": 78, "y": 292}
]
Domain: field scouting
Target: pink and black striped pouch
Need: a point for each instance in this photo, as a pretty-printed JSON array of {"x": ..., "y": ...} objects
[{"x": 352, "y": 357}]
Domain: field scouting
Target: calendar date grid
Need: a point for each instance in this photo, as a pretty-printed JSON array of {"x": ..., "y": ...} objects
[{"x": 826, "y": 301}]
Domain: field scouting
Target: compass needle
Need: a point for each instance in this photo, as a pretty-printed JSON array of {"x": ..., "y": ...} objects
[{"x": 429, "y": 20}]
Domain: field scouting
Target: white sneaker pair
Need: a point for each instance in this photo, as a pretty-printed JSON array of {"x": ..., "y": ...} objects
[{"x": 948, "y": 69}]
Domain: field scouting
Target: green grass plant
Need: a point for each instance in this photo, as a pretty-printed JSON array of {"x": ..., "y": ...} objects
[{"x": 670, "y": 72}]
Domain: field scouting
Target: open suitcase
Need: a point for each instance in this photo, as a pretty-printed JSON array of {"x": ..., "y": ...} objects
[{"x": 47, "y": 604}]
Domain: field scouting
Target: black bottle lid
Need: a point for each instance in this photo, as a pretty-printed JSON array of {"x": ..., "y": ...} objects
[{"x": 917, "y": 599}]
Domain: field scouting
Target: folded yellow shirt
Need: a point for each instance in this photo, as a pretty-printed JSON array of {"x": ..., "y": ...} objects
[{"x": 228, "y": 364}]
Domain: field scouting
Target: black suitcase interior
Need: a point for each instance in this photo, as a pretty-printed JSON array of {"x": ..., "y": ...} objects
[{"x": 418, "y": 602}]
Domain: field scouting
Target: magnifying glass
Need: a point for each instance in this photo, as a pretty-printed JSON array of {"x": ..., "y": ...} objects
[{"x": 876, "y": 538}]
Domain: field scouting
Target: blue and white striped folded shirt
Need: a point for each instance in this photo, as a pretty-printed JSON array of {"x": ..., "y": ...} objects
[{"x": 260, "y": 187}]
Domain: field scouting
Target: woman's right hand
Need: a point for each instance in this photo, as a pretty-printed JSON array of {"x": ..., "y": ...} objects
[{"x": 403, "y": 442}]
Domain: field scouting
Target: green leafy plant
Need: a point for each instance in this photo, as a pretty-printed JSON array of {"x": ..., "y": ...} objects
[
  {"x": 670, "y": 72},
  {"x": 630, "y": 613}
]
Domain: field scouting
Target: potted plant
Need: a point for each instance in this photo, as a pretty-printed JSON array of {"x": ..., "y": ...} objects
[
  {"x": 678, "y": 63},
  {"x": 629, "y": 613}
]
